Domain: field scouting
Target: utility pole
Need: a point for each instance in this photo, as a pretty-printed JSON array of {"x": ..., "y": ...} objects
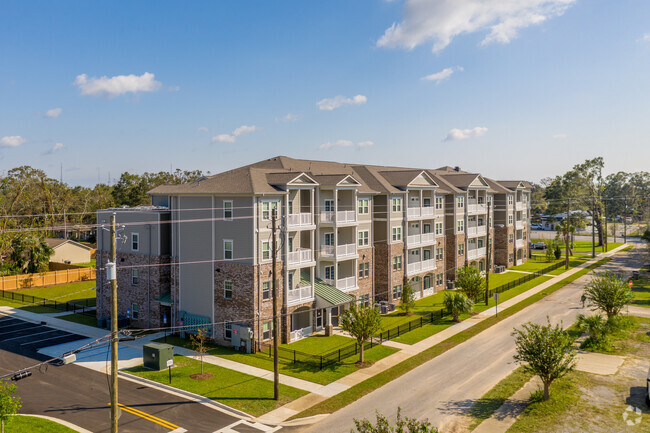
[
  {"x": 593, "y": 226},
  {"x": 112, "y": 276},
  {"x": 276, "y": 330},
  {"x": 567, "y": 226},
  {"x": 489, "y": 249},
  {"x": 625, "y": 222}
]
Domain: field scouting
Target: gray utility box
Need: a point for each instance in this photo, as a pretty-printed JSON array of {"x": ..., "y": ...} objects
[
  {"x": 158, "y": 356},
  {"x": 242, "y": 338}
]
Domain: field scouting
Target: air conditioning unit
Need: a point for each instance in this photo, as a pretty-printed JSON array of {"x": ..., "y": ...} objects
[
  {"x": 451, "y": 285},
  {"x": 384, "y": 309}
]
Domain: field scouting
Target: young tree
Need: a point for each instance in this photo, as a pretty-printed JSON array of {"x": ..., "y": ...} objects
[
  {"x": 546, "y": 351},
  {"x": 9, "y": 404},
  {"x": 402, "y": 425},
  {"x": 408, "y": 298},
  {"x": 362, "y": 323},
  {"x": 607, "y": 293},
  {"x": 557, "y": 252},
  {"x": 550, "y": 250},
  {"x": 470, "y": 282},
  {"x": 457, "y": 303},
  {"x": 595, "y": 326},
  {"x": 199, "y": 341}
]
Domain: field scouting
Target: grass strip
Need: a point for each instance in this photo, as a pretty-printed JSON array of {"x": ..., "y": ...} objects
[
  {"x": 31, "y": 424},
  {"x": 354, "y": 393}
]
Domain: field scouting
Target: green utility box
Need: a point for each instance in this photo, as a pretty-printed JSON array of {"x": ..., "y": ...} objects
[{"x": 158, "y": 356}]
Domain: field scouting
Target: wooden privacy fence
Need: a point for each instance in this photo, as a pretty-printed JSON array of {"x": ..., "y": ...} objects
[{"x": 26, "y": 281}]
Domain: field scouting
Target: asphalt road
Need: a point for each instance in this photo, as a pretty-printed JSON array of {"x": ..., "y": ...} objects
[
  {"x": 446, "y": 387},
  {"x": 80, "y": 395}
]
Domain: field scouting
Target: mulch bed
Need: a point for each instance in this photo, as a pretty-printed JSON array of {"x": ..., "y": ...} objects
[{"x": 201, "y": 376}]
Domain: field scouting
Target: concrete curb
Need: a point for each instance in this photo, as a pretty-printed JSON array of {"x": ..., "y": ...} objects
[
  {"x": 59, "y": 421},
  {"x": 188, "y": 395}
]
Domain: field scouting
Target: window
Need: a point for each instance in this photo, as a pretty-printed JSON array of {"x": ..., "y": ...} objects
[
  {"x": 438, "y": 253},
  {"x": 510, "y": 199},
  {"x": 363, "y": 206},
  {"x": 481, "y": 200},
  {"x": 426, "y": 228},
  {"x": 227, "y": 210},
  {"x": 267, "y": 207},
  {"x": 397, "y": 234},
  {"x": 329, "y": 205},
  {"x": 134, "y": 276},
  {"x": 267, "y": 327},
  {"x": 366, "y": 301},
  {"x": 227, "y": 249},
  {"x": 290, "y": 207},
  {"x": 135, "y": 241},
  {"x": 509, "y": 219},
  {"x": 364, "y": 270},
  {"x": 427, "y": 282},
  {"x": 439, "y": 203},
  {"x": 461, "y": 249},
  {"x": 480, "y": 243},
  {"x": 290, "y": 281},
  {"x": 426, "y": 254},
  {"x": 397, "y": 263},
  {"x": 329, "y": 238},
  {"x": 364, "y": 238},
  {"x": 460, "y": 202},
  {"x": 438, "y": 279},
  {"x": 227, "y": 289},
  {"x": 511, "y": 238},
  {"x": 227, "y": 327},
  {"x": 510, "y": 257},
  {"x": 524, "y": 235},
  {"x": 460, "y": 226},
  {"x": 266, "y": 290},
  {"x": 135, "y": 314},
  {"x": 397, "y": 204},
  {"x": 426, "y": 202},
  {"x": 266, "y": 251},
  {"x": 397, "y": 291},
  {"x": 329, "y": 272},
  {"x": 415, "y": 253},
  {"x": 480, "y": 222},
  {"x": 439, "y": 229}
]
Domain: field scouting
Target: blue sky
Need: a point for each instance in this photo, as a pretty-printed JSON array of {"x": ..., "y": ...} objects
[{"x": 521, "y": 89}]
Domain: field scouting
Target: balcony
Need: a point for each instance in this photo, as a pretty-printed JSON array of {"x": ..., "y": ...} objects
[
  {"x": 347, "y": 283},
  {"x": 420, "y": 239},
  {"x": 422, "y": 266},
  {"x": 519, "y": 225},
  {"x": 340, "y": 217},
  {"x": 476, "y": 253},
  {"x": 519, "y": 206},
  {"x": 299, "y": 220},
  {"x": 476, "y": 208},
  {"x": 342, "y": 251},
  {"x": 300, "y": 257},
  {"x": 473, "y": 231},
  {"x": 520, "y": 243},
  {"x": 300, "y": 295},
  {"x": 419, "y": 212}
]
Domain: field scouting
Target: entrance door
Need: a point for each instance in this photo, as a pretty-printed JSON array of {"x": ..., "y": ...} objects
[
  {"x": 427, "y": 255},
  {"x": 319, "y": 319},
  {"x": 329, "y": 205}
]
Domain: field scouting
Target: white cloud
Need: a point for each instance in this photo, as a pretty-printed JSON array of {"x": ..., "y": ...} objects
[
  {"x": 345, "y": 143},
  {"x": 232, "y": 137},
  {"x": 442, "y": 75},
  {"x": 561, "y": 136},
  {"x": 12, "y": 141},
  {"x": 57, "y": 146},
  {"x": 329, "y": 104},
  {"x": 440, "y": 21},
  {"x": 117, "y": 85},
  {"x": 289, "y": 117},
  {"x": 202, "y": 129},
  {"x": 645, "y": 38},
  {"x": 54, "y": 112},
  {"x": 463, "y": 134}
]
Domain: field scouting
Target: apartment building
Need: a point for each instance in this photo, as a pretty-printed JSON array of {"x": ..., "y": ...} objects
[
  {"x": 512, "y": 222},
  {"x": 345, "y": 233}
]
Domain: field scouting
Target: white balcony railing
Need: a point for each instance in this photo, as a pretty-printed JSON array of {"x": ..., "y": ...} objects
[
  {"x": 299, "y": 295},
  {"x": 346, "y": 250},
  {"x": 327, "y": 250},
  {"x": 420, "y": 212},
  {"x": 347, "y": 283},
  {"x": 475, "y": 253},
  {"x": 300, "y": 256},
  {"x": 420, "y": 239},
  {"x": 299, "y": 220},
  {"x": 346, "y": 216},
  {"x": 519, "y": 243},
  {"x": 301, "y": 333},
  {"x": 327, "y": 217},
  {"x": 476, "y": 208},
  {"x": 519, "y": 205},
  {"x": 476, "y": 230},
  {"x": 519, "y": 225},
  {"x": 422, "y": 266}
]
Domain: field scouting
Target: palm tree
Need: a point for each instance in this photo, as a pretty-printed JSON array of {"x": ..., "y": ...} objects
[{"x": 457, "y": 303}]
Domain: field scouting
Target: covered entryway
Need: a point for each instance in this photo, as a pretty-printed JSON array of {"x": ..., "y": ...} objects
[
  {"x": 332, "y": 301},
  {"x": 301, "y": 325}
]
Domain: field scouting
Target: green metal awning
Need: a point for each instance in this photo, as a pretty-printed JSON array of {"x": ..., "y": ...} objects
[
  {"x": 166, "y": 298},
  {"x": 329, "y": 296}
]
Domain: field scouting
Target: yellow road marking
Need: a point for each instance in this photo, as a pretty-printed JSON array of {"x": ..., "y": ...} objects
[{"x": 148, "y": 417}]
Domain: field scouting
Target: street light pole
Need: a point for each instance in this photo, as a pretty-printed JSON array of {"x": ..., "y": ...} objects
[
  {"x": 112, "y": 276},
  {"x": 489, "y": 248},
  {"x": 276, "y": 331}
]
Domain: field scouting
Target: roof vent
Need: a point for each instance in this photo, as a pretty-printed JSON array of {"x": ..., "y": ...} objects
[{"x": 457, "y": 168}]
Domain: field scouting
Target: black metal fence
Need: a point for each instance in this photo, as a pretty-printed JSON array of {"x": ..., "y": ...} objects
[
  {"x": 36, "y": 301},
  {"x": 526, "y": 278}
]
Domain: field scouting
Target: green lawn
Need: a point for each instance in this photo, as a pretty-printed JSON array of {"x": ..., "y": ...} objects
[
  {"x": 30, "y": 424},
  {"x": 81, "y": 293},
  {"x": 329, "y": 374},
  {"x": 581, "y": 247},
  {"x": 319, "y": 344},
  {"x": 91, "y": 264},
  {"x": 534, "y": 265},
  {"x": 641, "y": 292},
  {"x": 241, "y": 391},
  {"x": 632, "y": 333},
  {"x": 78, "y": 318}
]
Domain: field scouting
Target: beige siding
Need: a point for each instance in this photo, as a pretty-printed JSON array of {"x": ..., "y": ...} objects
[{"x": 70, "y": 253}]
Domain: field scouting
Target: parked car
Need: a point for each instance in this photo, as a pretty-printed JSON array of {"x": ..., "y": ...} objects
[
  {"x": 536, "y": 227},
  {"x": 540, "y": 245}
]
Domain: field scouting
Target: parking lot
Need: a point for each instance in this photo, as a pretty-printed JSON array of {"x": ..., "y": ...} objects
[{"x": 28, "y": 336}]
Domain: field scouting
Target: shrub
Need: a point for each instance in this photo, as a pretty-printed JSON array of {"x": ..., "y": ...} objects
[{"x": 457, "y": 303}]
